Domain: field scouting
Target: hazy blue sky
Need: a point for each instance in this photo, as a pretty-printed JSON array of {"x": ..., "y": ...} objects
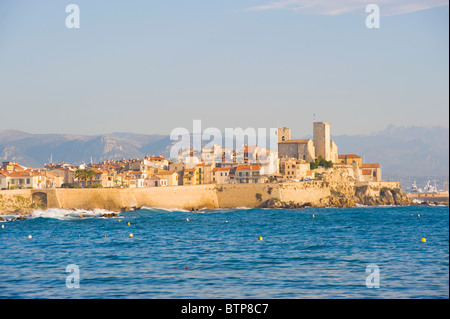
[{"x": 151, "y": 66}]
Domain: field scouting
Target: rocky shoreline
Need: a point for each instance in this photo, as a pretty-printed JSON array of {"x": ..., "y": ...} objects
[
  {"x": 388, "y": 197},
  {"x": 336, "y": 192}
]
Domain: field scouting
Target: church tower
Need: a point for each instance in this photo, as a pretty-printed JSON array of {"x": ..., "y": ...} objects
[
  {"x": 283, "y": 134},
  {"x": 321, "y": 133}
]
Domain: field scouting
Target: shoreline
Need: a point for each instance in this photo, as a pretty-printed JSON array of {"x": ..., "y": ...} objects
[{"x": 209, "y": 196}]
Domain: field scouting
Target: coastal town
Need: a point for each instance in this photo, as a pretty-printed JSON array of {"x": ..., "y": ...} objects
[{"x": 296, "y": 160}]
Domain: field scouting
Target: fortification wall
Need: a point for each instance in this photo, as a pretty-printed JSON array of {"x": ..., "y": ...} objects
[
  {"x": 17, "y": 200},
  {"x": 184, "y": 197}
]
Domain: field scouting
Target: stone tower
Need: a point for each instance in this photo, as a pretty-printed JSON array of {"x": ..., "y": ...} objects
[
  {"x": 284, "y": 134},
  {"x": 321, "y": 136}
]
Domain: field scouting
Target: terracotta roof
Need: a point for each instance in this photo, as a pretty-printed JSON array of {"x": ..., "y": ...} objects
[
  {"x": 221, "y": 169},
  {"x": 343, "y": 156},
  {"x": 248, "y": 167},
  {"x": 370, "y": 165},
  {"x": 19, "y": 174},
  {"x": 295, "y": 141}
]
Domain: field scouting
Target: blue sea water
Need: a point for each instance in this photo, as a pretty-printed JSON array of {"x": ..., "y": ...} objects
[{"x": 218, "y": 254}]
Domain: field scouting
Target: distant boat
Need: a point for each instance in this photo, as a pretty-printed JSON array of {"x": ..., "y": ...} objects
[
  {"x": 430, "y": 189},
  {"x": 414, "y": 189}
]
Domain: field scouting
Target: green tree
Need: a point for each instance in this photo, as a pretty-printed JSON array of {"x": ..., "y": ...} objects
[
  {"x": 320, "y": 161},
  {"x": 79, "y": 175},
  {"x": 85, "y": 174},
  {"x": 90, "y": 174}
]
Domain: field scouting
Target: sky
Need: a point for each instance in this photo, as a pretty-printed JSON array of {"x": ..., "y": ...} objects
[{"x": 152, "y": 66}]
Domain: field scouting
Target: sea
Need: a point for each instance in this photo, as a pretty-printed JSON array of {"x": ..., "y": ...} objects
[{"x": 312, "y": 253}]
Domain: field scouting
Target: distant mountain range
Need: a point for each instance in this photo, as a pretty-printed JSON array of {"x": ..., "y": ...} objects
[{"x": 407, "y": 151}]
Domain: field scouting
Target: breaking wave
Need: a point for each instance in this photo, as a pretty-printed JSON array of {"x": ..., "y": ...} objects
[{"x": 61, "y": 213}]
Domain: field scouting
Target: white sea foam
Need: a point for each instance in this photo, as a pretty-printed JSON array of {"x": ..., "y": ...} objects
[
  {"x": 165, "y": 209},
  {"x": 61, "y": 213}
]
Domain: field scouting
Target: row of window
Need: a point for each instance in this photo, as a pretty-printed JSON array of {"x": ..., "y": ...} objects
[
  {"x": 248, "y": 174},
  {"x": 221, "y": 174},
  {"x": 21, "y": 181}
]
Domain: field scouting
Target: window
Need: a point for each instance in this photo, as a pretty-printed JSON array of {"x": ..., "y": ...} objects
[
  {"x": 28, "y": 181},
  {"x": 255, "y": 180}
]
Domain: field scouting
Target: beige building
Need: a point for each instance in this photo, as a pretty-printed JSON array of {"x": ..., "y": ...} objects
[
  {"x": 154, "y": 181},
  {"x": 370, "y": 172},
  {"x": 190, "y": 176},
  {"x": 293, "y": 169},
  {"x": 221, "y": 175},
  {"x": 204, "y": 173},
  {"x": 349, "y": 159},
  {"x": 307, "y": 149},
  {"x": 249, "y": 174},
  {"x": 170, "y": 178},
  {"x": 298, "y": 149},
  {"x": 66, "y": 173}
]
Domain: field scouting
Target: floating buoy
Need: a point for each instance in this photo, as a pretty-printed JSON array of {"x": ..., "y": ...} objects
[
  {"x": 79, "y": 235},
  {"x": 313, "y": 216},
  {"x": 119, "y": 220},
  {"x": 29, "y": 236},
  {"x": 423, "y": 240},
  {"x": 418, "y": 215},
  {"x": 130, "y": 235},
  {"x": 226, "y": 221},
  {"x": 186, "y": 267},
  {"x": 129, "y": 224},
  {"x": 187, "y": 219},
  {"x": 260, "y": 238},
  {"x": 104, "y": 235},
  {"x": 3, "y": 226}
]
